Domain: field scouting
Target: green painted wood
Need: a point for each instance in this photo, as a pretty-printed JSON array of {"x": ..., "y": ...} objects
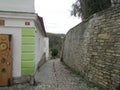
[
  {"x": 28, "y": 32},
  {"x": 28, "y": 40},
  {"x": 27, "y": 71},
  {"x": 28, "y": 48},
  {"x": 28, "y": 51},
  {"x": 28, "y": 64},
  {"x": 28, "y": 56}
]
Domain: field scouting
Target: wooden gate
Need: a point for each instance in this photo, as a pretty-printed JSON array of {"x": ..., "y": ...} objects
[{"x": 5, "y": 60}]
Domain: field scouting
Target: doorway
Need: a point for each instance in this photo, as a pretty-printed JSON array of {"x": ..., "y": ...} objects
[{"x": 5, "y": 60}]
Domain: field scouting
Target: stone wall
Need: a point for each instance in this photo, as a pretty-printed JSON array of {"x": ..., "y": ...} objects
[{"x": 93, "y": 48}]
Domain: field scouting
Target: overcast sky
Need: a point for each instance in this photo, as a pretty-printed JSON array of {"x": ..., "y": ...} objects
[{"x": 56, "y": 15}]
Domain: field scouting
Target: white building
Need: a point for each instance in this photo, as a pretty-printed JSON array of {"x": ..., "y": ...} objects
[{"x": 23, "y": 40}]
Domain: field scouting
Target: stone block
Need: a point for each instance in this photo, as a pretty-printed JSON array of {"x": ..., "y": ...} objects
[
  {"x": 104, "y": 36},
  {"x": 21, "y": 80},
  {"x": 98, "y": 46}
]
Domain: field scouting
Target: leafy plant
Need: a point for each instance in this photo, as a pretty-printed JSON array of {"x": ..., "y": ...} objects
[
  {"x": 54, "y": 53},
  {"x": 85, "y": 8},
  {"x": 56, "y": 42}
]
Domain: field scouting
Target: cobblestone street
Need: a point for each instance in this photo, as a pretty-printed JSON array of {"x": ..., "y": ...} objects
[{"x": 54, "y": 75}]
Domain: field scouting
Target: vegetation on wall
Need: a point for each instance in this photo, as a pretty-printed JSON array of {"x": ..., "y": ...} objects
[
  {"x": 85, "y": 8},
  {"x": 54, "y": 52},
  {"x": 55, "y": 43}
]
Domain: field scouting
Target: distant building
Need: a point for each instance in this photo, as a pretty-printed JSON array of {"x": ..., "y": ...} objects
[{"x": 23, "y": 40}]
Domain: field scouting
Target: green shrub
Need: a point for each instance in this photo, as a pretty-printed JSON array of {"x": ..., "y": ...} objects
[{"x": 54, "y": 53}]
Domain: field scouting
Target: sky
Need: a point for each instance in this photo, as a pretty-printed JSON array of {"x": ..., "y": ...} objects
[{"x": 56, "y": 15}]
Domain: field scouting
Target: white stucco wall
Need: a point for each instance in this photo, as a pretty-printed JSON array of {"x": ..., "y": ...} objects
[
  {"x": 17, "y": 5},
  {"x": 16, "y": 38},
  {"x": 47, "y": 47},
  {"x": 40, "y": 45},
  {"x": 18, "y": 22},
  {"x": 14, "y": 26}
]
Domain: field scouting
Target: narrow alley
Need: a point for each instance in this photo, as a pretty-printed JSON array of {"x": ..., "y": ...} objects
[{"x": 54, "y": 75}]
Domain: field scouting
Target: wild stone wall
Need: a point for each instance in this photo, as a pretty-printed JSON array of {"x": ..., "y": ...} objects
[{"x": 93, "y": 48}]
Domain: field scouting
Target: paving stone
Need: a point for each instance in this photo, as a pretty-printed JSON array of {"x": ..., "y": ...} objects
[
  {"x": 63, "y": 78},
  {"x": 53, "y": 75}
]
